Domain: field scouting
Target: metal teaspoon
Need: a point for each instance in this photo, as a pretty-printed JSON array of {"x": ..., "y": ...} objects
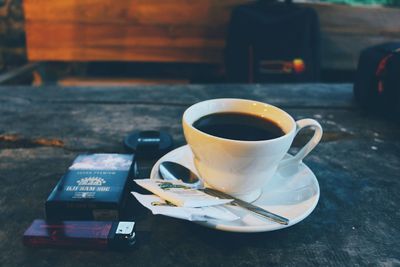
[{"x": 169, "y": 170}]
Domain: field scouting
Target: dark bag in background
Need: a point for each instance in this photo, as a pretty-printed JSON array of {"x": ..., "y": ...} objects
[
  {"x": 377, "y": 81},
  {"x": 273, "y": 42}
]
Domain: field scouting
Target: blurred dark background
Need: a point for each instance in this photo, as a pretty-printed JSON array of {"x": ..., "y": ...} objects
[{"x": 126, "y": 42}]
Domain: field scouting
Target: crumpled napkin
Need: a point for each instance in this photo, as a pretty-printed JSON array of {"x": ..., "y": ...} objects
[
  {"x": 159, "y": 206},
  {"x": 180, "y": 194}
]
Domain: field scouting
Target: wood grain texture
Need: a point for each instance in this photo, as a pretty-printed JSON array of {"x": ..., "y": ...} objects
[
  {"x": 182, "y": 30},
  {"x": 332, "y": 96},
  {"x": 346, "y": 30},
  {"x": 143, "y": 12},
  {"x": 354, "y": 224},
  {"x": 129, "y": 30},
  {"x": 110, "y": 82}
]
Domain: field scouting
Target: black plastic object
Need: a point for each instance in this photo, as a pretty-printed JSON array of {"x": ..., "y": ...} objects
[
  {"x": 148, "y": 144},
  {"x": 377, "y": 81},
  {"x": 271, "y": 41}
]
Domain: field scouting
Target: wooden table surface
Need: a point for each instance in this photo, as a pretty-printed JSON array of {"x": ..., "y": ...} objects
[{"x": 356, "y": 222}]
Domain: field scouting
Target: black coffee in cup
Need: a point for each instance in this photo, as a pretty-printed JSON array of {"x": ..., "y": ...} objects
[{"x": 238, "y": 126}]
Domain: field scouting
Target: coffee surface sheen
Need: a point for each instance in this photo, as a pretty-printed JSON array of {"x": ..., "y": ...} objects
[{"x": 238, "y": 126}]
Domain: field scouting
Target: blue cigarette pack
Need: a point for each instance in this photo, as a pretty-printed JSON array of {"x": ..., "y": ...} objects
[{"x": 95, "y": 187}]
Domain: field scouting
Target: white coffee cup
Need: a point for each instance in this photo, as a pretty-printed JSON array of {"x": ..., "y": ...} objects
[{"x": 241, "y": 168}]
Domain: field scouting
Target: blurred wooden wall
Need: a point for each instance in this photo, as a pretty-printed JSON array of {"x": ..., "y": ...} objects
[
  {"x": 180, "y": 30},
  {"x": 128, "y": 30}
]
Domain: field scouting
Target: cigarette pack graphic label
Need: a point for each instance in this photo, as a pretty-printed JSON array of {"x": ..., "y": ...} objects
[{"x": 94, "y": 185}]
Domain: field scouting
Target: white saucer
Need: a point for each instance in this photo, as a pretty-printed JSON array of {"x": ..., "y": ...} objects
[{"x": 293, "y": 193}]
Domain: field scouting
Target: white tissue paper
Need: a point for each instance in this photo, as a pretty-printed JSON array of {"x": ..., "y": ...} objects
[
  {"x": 159, "y": 206},
  {"x": 180, "y": 194}
]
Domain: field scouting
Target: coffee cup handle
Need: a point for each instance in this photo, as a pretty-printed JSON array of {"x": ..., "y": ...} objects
[{"x": 300, "y": 124}]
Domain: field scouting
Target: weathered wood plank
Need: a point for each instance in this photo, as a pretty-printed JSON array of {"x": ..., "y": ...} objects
[
  {"x": 345, "y": 31},
  {"x": 359, "y": 20},
  {"x": 139, "y": 54},
  {"x": 124, "y": 42},
  {"x": 300, "y": 95},
  {"x": 356, "y": 164},
  {"x": 109, "y": 82},
  {"x": 107, "y": 35},
  {"x": 18, "y": 73},
  {"x": 172, "y": 31},
  {"x": 341, "y": 51},
  {"x": 88, "y": 127},
  {"x": 334, "y": 18},
  {"x": 141, "y": 12},
  {"x": 182, "y": 30}
]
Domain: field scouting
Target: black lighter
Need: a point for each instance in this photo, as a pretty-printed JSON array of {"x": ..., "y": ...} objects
[{"x": 100, "y": 235}]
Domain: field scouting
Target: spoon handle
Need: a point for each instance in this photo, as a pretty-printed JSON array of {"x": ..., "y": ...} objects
[{"x": 253, "y": 208}]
